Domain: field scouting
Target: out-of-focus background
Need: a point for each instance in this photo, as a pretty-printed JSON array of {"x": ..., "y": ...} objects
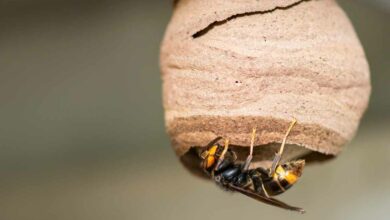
[{"x": 82, "y": 131}]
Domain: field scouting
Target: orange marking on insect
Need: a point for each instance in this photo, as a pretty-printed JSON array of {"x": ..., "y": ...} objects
[
  {"x": 211, "y": 156},
  {"x": 290, "y": 177}
]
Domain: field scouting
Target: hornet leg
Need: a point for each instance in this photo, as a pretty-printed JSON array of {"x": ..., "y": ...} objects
[
  {"x": 278, "y": 156},
  {"x": 250, "y": 156},
  {"x": 258, "y": 176},
  {"x": 243, "y": 178},
  {"x": 222, "y": 157}
]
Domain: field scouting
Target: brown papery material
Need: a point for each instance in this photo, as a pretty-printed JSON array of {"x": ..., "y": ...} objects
[{"x": 230, "y": 66}]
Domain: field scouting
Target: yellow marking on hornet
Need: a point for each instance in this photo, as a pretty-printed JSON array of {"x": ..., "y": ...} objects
[
  {"x": 290, "y": 177},
  {"x": 213, "y": 150},
  {"x": 211, "y": 156},
  {"x": 279, "y": 172}
]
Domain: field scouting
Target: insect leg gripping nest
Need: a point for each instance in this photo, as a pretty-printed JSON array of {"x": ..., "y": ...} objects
[{"x": 230, "y": 66}]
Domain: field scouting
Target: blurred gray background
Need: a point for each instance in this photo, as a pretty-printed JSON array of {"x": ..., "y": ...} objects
[{"x": 82, "y": 131}]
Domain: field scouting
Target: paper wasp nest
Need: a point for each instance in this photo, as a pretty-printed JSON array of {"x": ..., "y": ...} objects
[{"x": 229, "y": 66}]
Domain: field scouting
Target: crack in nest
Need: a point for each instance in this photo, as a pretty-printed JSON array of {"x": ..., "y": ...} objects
[{"x": 224, "y": 21}]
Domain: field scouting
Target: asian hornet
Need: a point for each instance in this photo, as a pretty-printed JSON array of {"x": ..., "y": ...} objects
[{"x": 220, "y": 163}]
